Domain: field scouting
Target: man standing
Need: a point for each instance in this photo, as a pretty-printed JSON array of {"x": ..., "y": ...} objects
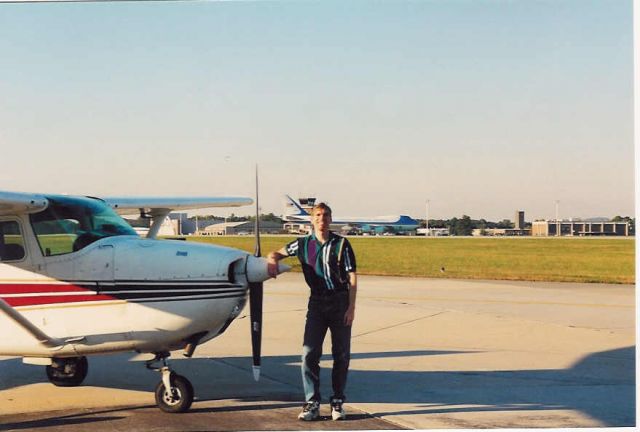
[{"x": 329, "y": 267}]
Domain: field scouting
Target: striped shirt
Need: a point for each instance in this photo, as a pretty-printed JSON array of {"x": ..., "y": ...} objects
[{"x": 325, "y": 266}]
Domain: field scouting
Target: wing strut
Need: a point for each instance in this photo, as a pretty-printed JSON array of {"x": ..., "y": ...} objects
[
  {"x": 158, "y": 216},
  {"x": 45, "y": 340}
]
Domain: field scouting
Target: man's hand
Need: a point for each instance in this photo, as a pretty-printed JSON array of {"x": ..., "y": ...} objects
[
  {"x": 349, "y": 315},
  {"x": 272, "y": 268},
  {"x": 272, "y": 263}
]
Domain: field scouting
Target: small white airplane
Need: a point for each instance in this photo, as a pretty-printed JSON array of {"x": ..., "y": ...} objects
[{"x": 76, "y": 280}]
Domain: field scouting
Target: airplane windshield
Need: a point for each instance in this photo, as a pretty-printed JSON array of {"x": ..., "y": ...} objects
[{"x": 69, "y": 224}]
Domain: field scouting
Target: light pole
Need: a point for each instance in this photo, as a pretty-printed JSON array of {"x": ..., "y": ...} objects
[
  {"x": 558, "y": 226},
  {"x": 426, "y": 232}
]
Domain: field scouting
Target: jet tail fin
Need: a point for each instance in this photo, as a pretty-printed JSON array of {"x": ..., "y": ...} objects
[{"x": 293, "y": 203}]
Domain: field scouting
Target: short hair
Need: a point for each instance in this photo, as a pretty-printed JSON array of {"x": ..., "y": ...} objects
[{"x": 321, "y": 206}]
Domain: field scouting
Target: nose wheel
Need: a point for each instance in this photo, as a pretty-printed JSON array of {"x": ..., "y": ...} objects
[
  {"x": 175, "y": 397},
  {"x": 174, "y": 394}
]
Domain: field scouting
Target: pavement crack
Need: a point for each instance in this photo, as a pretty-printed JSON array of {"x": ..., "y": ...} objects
[{"x": 398, "y": 324}]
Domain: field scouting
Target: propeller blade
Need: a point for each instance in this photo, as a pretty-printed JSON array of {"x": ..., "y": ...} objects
[
  {"x": 255, "y": 308},
  {"x": 255, "y": 300},
  {"x": 257, "y": 225}
]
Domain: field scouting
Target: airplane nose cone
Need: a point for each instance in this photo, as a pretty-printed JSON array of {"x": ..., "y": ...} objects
[{"x": 257, "y": 269}]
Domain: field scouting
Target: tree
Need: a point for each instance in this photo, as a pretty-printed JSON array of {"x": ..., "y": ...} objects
[
  {"x": 463, "y": 227},
  {"x": 506, "y": 223},
  {"x": 267, "y": 218},
  {"x": 451, "y": 224}
]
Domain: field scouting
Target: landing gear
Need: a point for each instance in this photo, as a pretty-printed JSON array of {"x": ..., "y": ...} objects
[
  {"x": 68, "y": 372},
  {"x": 174, "y": 394}
]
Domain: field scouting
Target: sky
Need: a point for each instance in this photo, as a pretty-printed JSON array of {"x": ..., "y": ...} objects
[{"x": 481, "y": 107}]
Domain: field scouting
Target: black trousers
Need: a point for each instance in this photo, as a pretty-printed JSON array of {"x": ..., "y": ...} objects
[{"x": 326, "y": 312}]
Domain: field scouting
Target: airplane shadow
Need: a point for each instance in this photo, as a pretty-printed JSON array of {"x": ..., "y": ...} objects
[{"x": 601, "y": 385}]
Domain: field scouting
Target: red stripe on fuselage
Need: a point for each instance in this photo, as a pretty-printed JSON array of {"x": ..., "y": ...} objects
[
  {"x": 46, "y": 290},
  {"x": 27, "y": 288}
]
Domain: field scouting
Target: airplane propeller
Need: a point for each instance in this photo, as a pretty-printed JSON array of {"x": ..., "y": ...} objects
[{"x": 255, "y": 300}]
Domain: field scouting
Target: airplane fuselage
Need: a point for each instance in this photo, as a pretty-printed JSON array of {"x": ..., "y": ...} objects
[{"x": 124, "y": 293}]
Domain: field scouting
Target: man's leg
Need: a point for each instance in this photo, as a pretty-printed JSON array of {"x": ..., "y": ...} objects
[
  {"x": 341, "y": 350},
  {"x": 314, "y": 333}
]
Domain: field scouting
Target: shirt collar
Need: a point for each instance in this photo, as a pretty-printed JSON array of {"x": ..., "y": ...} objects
[{"x": 331, "y": 236}]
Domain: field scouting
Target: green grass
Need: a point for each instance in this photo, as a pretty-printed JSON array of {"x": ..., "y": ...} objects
[
  {"x": 57, "y": 243},
  {"x": 533, "y": 259}
]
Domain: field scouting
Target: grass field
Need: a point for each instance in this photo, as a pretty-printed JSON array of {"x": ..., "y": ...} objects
[{"x": 533, "y": 259}]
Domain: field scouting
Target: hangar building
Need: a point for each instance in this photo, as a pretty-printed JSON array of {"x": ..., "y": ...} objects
[{"x": 579, "y": 228}]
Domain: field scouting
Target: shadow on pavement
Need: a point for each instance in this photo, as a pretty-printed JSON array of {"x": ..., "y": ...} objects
[{"x": 601, "y": 385}]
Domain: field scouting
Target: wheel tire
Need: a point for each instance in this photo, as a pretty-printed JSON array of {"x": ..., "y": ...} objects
[
  {"x": 73, "y": 371},
  {"x": 181, "y": 399}
]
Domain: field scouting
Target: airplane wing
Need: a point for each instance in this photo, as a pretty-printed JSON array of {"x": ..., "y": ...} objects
[
  {"x": 159, "y": 207},
  {"x": 130, "y": 205},
  {"x": 16, "y": 202}
]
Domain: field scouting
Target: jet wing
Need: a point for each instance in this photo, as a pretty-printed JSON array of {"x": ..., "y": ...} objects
[
  {"x": 16, "y": 203},
  {"x": 156, "y": 205}
]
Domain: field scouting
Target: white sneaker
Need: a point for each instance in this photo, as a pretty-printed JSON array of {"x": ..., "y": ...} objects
[
  {"x": 310, "y": 411},
  {"x": 337, "y": 411}
]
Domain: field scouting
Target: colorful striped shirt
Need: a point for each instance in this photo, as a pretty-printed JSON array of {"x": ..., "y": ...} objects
[{"x": 325, "y": 266}]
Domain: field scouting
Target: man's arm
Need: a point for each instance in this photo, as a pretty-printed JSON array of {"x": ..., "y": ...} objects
[
  {"x": 272, "y": 261},
  {"x": 350, "y": 315}
]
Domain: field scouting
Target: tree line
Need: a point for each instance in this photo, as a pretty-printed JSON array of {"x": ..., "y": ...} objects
[{"x": 234, "y": 218}]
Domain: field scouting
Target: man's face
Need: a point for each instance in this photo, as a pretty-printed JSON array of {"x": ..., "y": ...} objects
[{"x": 321, "y": 219}]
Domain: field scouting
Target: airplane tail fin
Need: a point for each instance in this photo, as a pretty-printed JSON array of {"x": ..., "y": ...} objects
[{"x": 293, "y": 208}]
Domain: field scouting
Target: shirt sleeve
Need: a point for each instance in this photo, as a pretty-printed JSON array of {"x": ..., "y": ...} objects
[
  {"x": 349, "y": 258},
  {"x": 292, "y": 248}
]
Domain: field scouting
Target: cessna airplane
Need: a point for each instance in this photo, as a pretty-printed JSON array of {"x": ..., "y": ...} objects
[
  {"x": 76, "y": 280},
  {"x": 294, "y": 212}
]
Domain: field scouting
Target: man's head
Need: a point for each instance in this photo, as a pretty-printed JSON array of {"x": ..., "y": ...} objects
[{"x": 321, "y": 217}]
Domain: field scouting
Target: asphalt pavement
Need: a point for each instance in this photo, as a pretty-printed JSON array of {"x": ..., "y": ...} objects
[{"x": 427, "y": 353}]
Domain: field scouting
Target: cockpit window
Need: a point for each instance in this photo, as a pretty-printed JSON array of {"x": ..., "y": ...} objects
[{"x": 69, "y": 224}]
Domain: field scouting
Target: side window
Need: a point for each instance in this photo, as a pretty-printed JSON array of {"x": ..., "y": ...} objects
[
  {"x": 56, "y": 236},
  {"x": 11, "y": 241}
]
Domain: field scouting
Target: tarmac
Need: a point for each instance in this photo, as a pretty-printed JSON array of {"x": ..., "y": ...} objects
[{"x": 426, "y": 353}]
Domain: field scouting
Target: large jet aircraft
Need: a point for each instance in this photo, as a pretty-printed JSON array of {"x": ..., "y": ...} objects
[{"x": 298, "y": 212}]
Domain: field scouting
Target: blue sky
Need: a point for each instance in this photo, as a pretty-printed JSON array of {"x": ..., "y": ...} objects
[{"x": 482, "y": 107}]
